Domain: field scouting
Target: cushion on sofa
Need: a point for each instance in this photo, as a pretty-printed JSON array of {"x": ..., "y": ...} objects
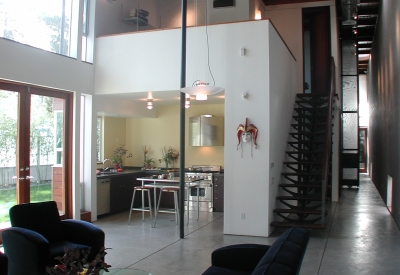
[
  {"x": 215, "y": 270},
  {"x": 285, "y": 255}
]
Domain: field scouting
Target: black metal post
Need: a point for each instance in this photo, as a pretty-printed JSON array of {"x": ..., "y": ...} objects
[{"x": 182, "y": 125}]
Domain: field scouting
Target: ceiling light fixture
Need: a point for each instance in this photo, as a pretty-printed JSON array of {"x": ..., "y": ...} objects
[
  {"x": 199, "y": 88},
  {"x": 149, "y": 103},
  {"x": 187, "y": 101},
  {"x": 201, "y": 97}
]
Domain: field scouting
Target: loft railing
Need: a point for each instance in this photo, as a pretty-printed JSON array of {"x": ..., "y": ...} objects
[{"x": 328, "y": 141}]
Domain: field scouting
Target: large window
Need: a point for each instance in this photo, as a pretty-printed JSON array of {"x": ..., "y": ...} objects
[{"x": 45, "y": 24}]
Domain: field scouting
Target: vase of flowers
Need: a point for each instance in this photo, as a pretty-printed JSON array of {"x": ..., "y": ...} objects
[
  {"x": 147, "y": 162},
  {"x": 169, "y": 156}
]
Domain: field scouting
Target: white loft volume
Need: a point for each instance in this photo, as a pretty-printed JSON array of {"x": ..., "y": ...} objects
[{"x": 150, "y": 61}]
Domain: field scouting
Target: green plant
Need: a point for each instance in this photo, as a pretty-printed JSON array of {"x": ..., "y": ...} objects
[
  {"x": 119, "y": 153},
  {"x": 74, "y": 262}
]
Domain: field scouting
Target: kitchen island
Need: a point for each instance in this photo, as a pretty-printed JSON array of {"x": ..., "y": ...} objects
[{"x": 121, "y": 186}]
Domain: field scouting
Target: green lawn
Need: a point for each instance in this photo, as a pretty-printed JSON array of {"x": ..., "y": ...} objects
[{"x": 40, "y": 192}]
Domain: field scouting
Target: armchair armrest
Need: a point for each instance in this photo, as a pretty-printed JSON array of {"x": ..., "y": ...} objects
[
  {"x": 83, "y": 232},
  {"x": 21, "y": 243},
  {"x": 244, "y": 257}
]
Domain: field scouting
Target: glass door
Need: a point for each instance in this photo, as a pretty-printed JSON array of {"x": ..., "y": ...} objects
[
  {"x": 8, "y": 146},
  {"x": 46, "y": 149},
  {"x": 34, "y": 153}
]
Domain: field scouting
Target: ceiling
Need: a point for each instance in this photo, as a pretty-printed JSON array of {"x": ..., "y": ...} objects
[
  {"x": 367, "y": 12},
  {"x": 360, "y": 28},
  {"x": 166, "y": 97}
]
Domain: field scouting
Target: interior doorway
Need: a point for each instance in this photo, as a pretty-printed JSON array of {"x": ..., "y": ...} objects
[
  {"x": 362, "y": 149},
  {"x": 317, "y": 49}
]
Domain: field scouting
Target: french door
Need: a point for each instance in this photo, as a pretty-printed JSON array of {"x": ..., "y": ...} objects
[{"x": 35, "y": 147}]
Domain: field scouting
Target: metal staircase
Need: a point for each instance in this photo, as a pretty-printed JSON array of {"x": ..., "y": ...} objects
[{"x": 306, "y": 177}]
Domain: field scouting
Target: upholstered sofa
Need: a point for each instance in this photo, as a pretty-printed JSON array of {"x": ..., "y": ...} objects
[
  {"x": 283, "y": 257},
  {"x": 38, "y": 235},
  {"x": 3, "y": 264}
]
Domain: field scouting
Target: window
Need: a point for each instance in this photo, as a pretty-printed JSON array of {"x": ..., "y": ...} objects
[
  {"x": 98, "y": 140},
  {"x": 44, "y": 24}
]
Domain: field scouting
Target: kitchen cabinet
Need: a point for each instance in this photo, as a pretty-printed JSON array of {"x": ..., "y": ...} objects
[
  {"x": 218, "y": 193},
  {"x": 121, "y": 190}
]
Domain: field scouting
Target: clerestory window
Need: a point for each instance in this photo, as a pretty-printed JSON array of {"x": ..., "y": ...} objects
[{"x": 44, "y": 24}]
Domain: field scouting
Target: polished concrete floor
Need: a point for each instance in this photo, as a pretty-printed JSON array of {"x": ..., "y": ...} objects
[{"x": 361, "y": 238}]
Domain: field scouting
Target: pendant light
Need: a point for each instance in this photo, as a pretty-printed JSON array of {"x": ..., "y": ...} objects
[{"x": 202, "y": 89}]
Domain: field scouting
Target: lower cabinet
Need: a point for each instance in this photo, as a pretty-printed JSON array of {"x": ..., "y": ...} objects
[
  {"x": 218, "y": 193},
  {"x": 121, "y": 190}
]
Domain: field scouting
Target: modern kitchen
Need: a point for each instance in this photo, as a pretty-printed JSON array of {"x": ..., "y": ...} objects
[{"x": 141, "y": 139}]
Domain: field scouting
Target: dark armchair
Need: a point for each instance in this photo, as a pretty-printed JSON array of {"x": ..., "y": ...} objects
[{"x": 38, "y": 235}]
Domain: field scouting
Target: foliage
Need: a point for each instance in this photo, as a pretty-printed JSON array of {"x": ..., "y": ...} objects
[
  {"x": 39, "y": 192},
  {"x": 54, "y": 24},
  {"x": 41, "y": 129},
  {"x": 149, "y": 161},
  {"x": 146, "y": 160},
  {"x": 74, "y": 262},
  {"x": 119, "y": 153},
  {"x": 168, "y": 155}
]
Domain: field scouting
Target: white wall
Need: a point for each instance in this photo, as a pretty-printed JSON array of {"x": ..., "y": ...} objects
[
  {"x": 27, "y": 64},
  {"x": 282, "y": 91},
  {"x": 159, "y": 68}
]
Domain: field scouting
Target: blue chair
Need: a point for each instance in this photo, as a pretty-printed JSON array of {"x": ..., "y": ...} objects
[{"x": 38, "y": 235}]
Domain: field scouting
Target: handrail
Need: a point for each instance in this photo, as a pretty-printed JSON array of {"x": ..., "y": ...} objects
[{"x": 328, "y": 141}]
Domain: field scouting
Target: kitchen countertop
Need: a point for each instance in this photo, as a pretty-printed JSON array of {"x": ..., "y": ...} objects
[{"x": 134, "y": 170}]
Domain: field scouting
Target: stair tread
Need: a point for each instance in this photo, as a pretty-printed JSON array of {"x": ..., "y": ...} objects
[
  {"x": 308, "y": 124},
  {"x": 302, "y": 162},
  {"x": 297, "y": 185},
  {"x": 307, "y": 141},
  {"x": 300, "y": 224},
  {"x": 301, "y": 173},
  {"x": 305, "y": 152},
  {"x": 295, "y": 198},
  {"x": 311, "y": 95},
  {"x": 294, "y": 211}
]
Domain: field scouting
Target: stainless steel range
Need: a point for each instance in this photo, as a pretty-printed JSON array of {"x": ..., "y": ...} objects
[{"x": 205, "y": 190}]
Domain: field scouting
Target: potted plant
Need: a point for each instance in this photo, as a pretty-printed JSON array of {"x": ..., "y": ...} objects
[
  {"x": 148, "y": 163},
  {"x": 74, "y": 262},
  {"x": 115, "y": 162},
  {"x": 118, "y": 154}
]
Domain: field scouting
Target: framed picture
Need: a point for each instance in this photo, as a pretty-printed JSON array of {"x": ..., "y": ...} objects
[{"x": 223, "y": 3}]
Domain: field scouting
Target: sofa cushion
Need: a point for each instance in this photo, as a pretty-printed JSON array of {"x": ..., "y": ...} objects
[
  {"x": 41, "y": 217},
  {"x": 214, "y": 270},
  {"x": 285, "y": 254}
]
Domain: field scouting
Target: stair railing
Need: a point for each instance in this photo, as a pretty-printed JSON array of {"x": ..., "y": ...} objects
[{"x": 328, "y": 142}]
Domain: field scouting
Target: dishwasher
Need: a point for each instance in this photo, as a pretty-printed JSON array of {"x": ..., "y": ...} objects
[{"x": 103, "y": 196}]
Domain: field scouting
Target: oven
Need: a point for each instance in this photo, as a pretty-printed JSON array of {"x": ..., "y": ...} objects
[{"x": 205, "y": 187}]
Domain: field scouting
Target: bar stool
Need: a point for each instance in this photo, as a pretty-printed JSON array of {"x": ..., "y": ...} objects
[
  {"x": 168, "y": 189},
  {"x": 145, "y": 188}
]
